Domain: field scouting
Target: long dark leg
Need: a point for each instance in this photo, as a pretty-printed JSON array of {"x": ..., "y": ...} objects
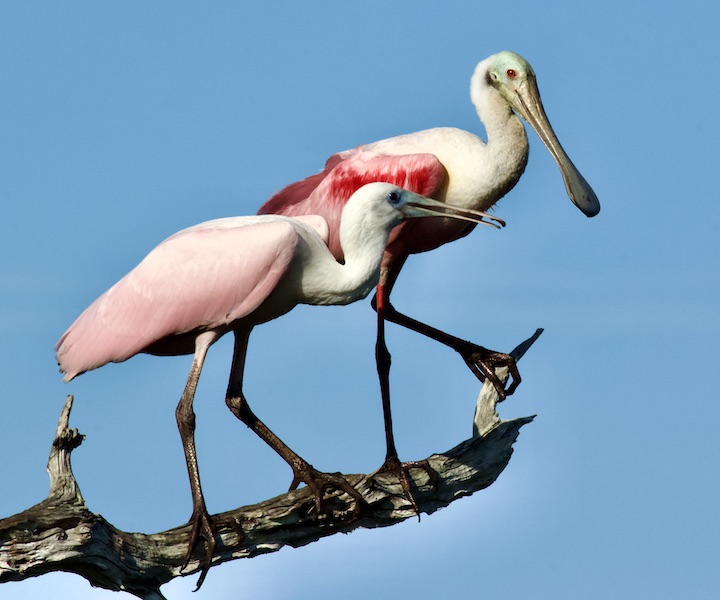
[
  {"x": 317, "y": 481},
  {"x": 481, "y": 361},
  {"x": 384, "y": 361},
  {"x": 202, "y": 525},
  {"x": 392, "y": 463}
]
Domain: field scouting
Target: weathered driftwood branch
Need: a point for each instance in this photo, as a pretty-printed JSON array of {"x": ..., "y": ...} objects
[{"x": 62, "y": 534}]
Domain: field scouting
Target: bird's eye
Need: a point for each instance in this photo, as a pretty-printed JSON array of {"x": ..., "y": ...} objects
[
  {"x": 394, "y": 197},
  {"x": 511, "y": 73}
]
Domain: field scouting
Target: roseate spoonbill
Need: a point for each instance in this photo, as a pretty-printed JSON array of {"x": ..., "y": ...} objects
[
  {"x": 450, "y": 165},
  {"x": 230, "y": 275}
]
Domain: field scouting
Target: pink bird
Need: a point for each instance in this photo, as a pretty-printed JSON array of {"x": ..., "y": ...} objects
[
  {"x": 230, "y": 275},
  {"x": 455, "y": 167}
]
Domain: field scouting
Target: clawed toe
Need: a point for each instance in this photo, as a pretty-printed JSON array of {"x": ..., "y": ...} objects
[
  {"x": 202, "y": 527},
  {"x": 401, "y": 470},
  {"x": 483, "y": 362},
  {"x": 322, "y": 485}
]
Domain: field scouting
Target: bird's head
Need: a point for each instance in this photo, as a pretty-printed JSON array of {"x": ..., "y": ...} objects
[
  {"x": 508, "y": 72},
  {"x": 512, "y": 77},
  {"x": 384, "y": 205}
]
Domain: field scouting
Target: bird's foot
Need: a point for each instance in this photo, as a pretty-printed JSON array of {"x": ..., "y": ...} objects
[
  {"x": 401, "y": 470},
  {"x": 483, "y": 362},
  {"x": 202, "y": 527},
  {"x": 324, "y": 486}
]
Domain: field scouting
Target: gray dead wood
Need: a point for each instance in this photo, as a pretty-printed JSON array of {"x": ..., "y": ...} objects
[{"x": 62, "y": 534}]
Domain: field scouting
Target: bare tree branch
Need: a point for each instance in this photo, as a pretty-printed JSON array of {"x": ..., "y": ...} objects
[{"x": 62, "y": 534}]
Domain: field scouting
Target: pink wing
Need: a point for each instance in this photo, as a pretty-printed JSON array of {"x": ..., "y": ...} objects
[
  {"x": 326, "y": 193},
  {"x": 199, "y": 279}
]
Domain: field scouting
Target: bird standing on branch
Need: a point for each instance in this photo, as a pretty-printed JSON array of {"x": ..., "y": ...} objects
[
  {"x": 230, "y": 275},
  {"x": 455, "y": 167}
]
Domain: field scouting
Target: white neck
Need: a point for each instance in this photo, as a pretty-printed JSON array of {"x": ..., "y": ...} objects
[
  {"x": 363, "y": 241},
  {"x": 507, "y": 143}
]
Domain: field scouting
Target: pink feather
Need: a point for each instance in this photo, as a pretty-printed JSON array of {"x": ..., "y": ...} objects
[
  {"x": 327, "y": 192},
  {"x": 222, "y": 273}
]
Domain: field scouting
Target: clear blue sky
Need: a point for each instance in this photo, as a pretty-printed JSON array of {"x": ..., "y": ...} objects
[{"x": 121, "y": 123}]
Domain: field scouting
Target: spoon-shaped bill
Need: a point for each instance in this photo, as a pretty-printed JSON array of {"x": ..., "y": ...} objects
[{"x": 526, "y": 102}]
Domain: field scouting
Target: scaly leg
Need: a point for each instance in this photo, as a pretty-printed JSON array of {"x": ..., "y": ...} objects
[
  {"x": 317, "y": 481},
  {"x": 202, "y": 525}
]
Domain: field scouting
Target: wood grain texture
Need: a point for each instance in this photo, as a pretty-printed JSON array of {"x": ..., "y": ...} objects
[{"x": 62, "y": 534}]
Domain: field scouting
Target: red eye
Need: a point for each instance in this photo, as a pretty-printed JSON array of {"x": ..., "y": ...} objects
[{"x": 511, "y": 73}]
